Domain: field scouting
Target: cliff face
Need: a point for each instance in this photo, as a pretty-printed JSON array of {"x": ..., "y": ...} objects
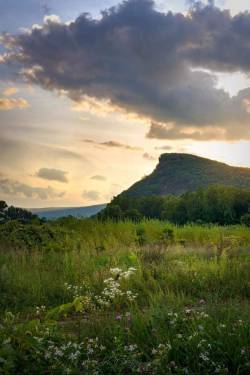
[{"x": 178, "y": 173}]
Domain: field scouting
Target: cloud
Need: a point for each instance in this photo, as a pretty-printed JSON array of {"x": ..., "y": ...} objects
[
  {"x": 146, "y": 62},
  {"x": 15, "y": 152},
  {"x": 51, "y": 19},
  {"x": 16, "y": 188},
  {"x": 120, "y": 145},
  {"x": 9, "y": 91},
  {"x": 149, "y": 157},
  {"x": 113, "y": 144},
  {"x": 7, "y": 104},
  {"x": 91, "y": 195},
  {"x": 98, "y": 177},
  {"x": 52, "y": 174},
  {"x": 18, "y": 155},
  {"x": 162, "y": 131},
  {"x": 164, "y": 148}
]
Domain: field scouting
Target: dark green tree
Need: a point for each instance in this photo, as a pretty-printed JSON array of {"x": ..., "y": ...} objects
[
  {"x": 245, "y": 219},
  {"x": 3, "y": 207},
  {"x": 133, "y": 214}
]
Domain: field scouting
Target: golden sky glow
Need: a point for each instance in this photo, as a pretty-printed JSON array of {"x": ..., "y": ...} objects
[{"x": 58, "y": 151}]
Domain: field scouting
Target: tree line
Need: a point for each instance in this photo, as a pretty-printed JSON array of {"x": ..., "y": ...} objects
[
  {"x": 216, "y": 204},
  {"x": 8, "y": 213}
]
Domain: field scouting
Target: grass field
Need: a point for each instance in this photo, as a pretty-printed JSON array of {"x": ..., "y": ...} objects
[{"x": 82, "y": 297}]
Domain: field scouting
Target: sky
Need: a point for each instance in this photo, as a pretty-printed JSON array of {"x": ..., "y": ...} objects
[{"x": 92, "y": 92}]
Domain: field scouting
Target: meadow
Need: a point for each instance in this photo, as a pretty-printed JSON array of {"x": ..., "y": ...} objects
[{"x": 88, "y": 297}]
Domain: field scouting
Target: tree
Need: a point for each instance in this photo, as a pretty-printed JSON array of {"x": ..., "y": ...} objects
[
  {"x": 133, "y": 214},
  {"x": 14, "y": 213},
  {"x": 3, "y": 207},
  {"x": 219, "y": 204},
  {"x": 245, "y": 219},
  {"x": 112, "y": 212}
]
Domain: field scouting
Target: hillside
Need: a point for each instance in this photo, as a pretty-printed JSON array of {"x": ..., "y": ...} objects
[
  {"x": 178, "y": 173},
  {"x": 54, "y": 213}
]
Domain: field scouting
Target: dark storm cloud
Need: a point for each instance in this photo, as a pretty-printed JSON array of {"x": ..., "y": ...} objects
[
  {"x": 17, "y": 188},
  {"x": 52, "y": 174},
  {"x": 142, "y": 61}
]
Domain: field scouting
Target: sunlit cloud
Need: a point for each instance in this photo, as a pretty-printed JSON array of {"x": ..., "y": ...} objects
[
  {"x": 160, "y": 131},
  {"x": 7, "y": 104},
  {"x": 15, "y": 188},
  {"x": 51, "y": 18},
  {"x": 167, "y": 79},
  {"x": 52, "y": 174},
  {"x": 113, "y": 144},
  {"x": 9, "y": 91},
  {"x": 102, "y": 107}
]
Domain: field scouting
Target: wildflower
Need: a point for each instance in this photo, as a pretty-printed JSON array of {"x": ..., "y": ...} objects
[
  {"x": 115, "y": 271},
  {"x": 58, "y": 353},
  {"x": 202, "y": 302},
  {"x": 204, "y": 356},
  {"x": 131, "y": 347},
  {"x": 47, "y": 355},
  {"x": 90, "y": 351},
  {"x": 204, "y": 315},
  {"x": 73, "y": 356}
]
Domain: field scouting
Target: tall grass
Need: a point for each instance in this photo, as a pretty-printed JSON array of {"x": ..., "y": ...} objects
[{"x": 192, "y": 289}]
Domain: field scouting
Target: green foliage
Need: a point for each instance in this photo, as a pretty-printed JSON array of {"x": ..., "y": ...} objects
[
  {"x": 14, "y": 213},
  {"x": 178, "y": 173},
  {"x": 245, "y": 219},
  {"x": 156, "y": 299},
  {"x": 132, "y": 214},
  {"x": 216, "y": 204}
]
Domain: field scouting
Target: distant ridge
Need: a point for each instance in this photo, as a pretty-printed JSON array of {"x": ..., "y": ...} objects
[
  {"x": 178, "y": 173},
  {"x": 55, "y": 213}
]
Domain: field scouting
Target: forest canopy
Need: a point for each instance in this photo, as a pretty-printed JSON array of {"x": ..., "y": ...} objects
[{"x": 216, "y": 204}]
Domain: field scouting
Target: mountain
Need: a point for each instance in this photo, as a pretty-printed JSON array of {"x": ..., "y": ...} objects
[
  {"x": 177, "y": 173},
  {"x": 54, "y": 213}
]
